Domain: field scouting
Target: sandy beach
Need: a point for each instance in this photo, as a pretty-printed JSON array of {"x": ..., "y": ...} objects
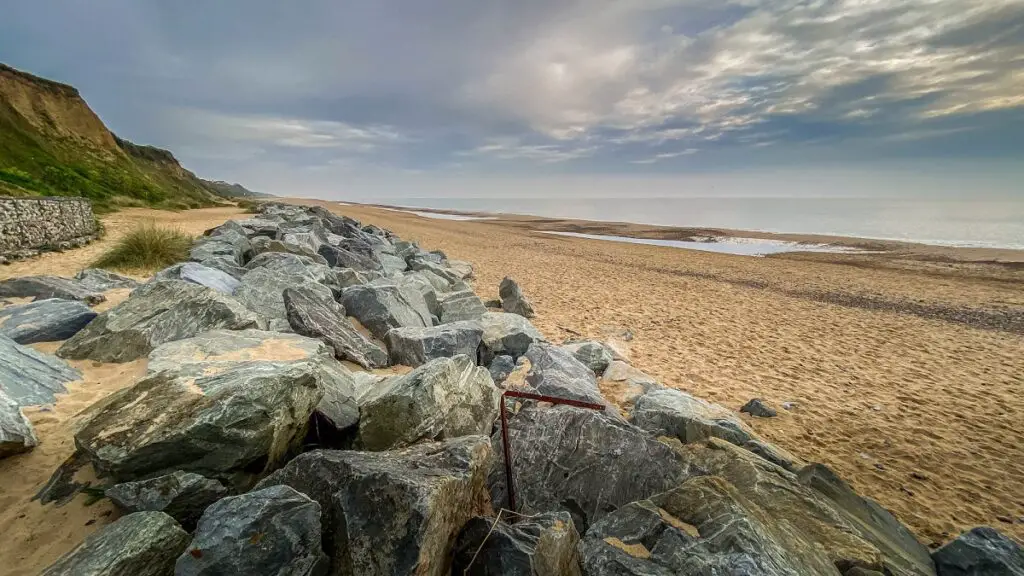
[{"x": 905, "y": 369}]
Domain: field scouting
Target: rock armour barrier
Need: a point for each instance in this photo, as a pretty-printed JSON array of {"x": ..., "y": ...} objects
[{"x": 31, "y": 225}]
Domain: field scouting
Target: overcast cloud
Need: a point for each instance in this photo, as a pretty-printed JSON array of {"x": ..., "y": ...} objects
[{"x": 307, "y": 94}]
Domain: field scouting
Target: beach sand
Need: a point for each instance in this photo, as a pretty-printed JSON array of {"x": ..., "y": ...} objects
[{"x": 896, "y": 388}]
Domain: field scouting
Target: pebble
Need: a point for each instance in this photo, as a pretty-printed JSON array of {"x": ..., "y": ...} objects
[
  {"x": 1005, "y": 519},
  {"x": 789, "y": 405},
  {"x": 918, "y": 475},
  {"x": 756, "y": 407}
]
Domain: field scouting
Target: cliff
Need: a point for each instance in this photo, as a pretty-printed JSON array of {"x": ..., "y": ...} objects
[{"x": 53, "y": 144}]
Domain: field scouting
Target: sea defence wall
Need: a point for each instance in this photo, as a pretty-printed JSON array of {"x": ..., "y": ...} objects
[{"x": 31, "y": 225}]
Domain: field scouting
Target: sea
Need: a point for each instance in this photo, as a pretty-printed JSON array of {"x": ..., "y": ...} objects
[{"x": 976, "y": 222}]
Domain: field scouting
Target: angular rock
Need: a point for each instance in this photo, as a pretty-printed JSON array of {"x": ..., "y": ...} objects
[
  {"x": 259, "y": 227},
  {"x": 512, "y": 299},
  {"x": 345, "y": 277},
  {"x": 262, "y": 291},
  {"x": 181, "y": 495},
  {"x": 29, "y": 377},
  {"x": 628, "y": 382},
  {"x": 232, "y": 422},
  {"x": 818, "y": 510},
  {"x": 383, "y": 307},
  {"x": 391, "y": 264},
  {"x": 593, "y": 355},
  {"x": 462, "y": 305},
  {"x": 317, "y": 316},
  {"x": 421, "y": 264},
  {"x": 44, "y": 287},
  {"x": 395, "y": 512},
  {"x": 201, "y": 274},
  {"x": 47, "y": 320},
  {"x": 501, "y": 367},
  {"x": 16, "y": 433},
  {"x": 544, "y": 545},
  {"x": 291, "y": 265},
  {"x": 420, "y": 283},
  {"x": 416, "y": 346},
  {"x": 156, "y": 313},
  {"x": 140, "y": 544},
  {"x": 981, "y": 551},
  {"x": 273, "y": 531},
  {"x": 207, "y": 248},
  {"x": 444, "y": 398},
  {"x": 307, "y": 241},
  {"x": 336, "y": 418},
  {"x": 99, "y": 280},
  {"x": 756, "y": 407},
  {"x": 219, "y": 350},
  {"x": 341, "y": 258},
  {"x": 559, "y": 452},
  {"x": 462, "y": 269},
  {"x": 262, "y": 244},
  {"x": 509, "y": 334},
  {"x": 556, "y": 372}
]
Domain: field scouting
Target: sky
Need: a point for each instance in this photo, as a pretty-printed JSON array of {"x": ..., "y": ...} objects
[{"x": 358, "y": 98}]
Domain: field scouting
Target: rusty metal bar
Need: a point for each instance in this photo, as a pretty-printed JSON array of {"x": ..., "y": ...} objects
[{"x": 509, "y": 486}]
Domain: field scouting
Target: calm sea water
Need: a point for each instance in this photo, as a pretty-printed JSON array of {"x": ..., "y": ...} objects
[{"x": 994, "y": 223}]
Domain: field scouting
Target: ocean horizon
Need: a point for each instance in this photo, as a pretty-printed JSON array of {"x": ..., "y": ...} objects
[{"x": 983, "y": 223}]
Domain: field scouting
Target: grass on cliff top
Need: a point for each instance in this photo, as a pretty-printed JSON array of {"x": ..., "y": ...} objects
[{"x": 146, "y": 248}]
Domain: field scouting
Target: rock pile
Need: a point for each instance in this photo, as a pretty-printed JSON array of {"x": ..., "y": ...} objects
[{"x": 258, "y": 429}]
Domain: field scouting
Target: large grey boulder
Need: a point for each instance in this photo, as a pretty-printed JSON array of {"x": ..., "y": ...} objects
[
  {"x": 156, "y": 313},
  {"x": 232, "y": 421},
  {"x": 382, "y": 307},
  {"x": 43, "y": 287},
  {"x": 444, "y": 398},
  {"x": 512, "y": 299},
  {"x": 394, "y": 512},
  {"x": 461, "y": 305},
  {"x": 704, "y": 527},
  {"x": 291, "y": 265},
  {"x": 259, "y": 227},
  {"x": 215, "y": 247},
  {"x": 593, "y": 355},
  {"x": 273, "y": 531},
  {"x": 262, "y": 244},
  {"x": 542, "y": 545},
  {"x": 201, "y": 274},
  {"x": 980, "y": 551},
  {"x": 181, "y": 495},
  {"x": 627, "y": 382},
  {"x": 584, "y": 461},
  {"x": 345, "y": 277},
  {"x": 554, "y": 371},
  {"x": 420, "y": 264},
  {"x": 501, "y": 368},
  {"x": 16, "y": 433},
  {"x": 338, "y": 257},
  {"x": 509, "y": 334},
  {"x": 318, "y": 316},
  {"x": 262, "y": 291},
  {"x": 140, "y": 544},
  {"x": 818, "y": 511},
  {"x": 30, "y": 377},
  {"x": 417, "y": 346},
  {"x": 225, "y": 265},
  {"x": 461, "y": 268},
  {"x": 391, "y": 264},
  {"x": 99, "y": 280},
  {"x": 47, "y": 320}
]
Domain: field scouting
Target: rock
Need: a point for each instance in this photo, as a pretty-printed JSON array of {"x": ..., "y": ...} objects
[
  {"x": 214, "y": 247},
  {"x": 221, "y": 417},
  {"x": 44, "y": 287},
  {"x": 391, "y": 264},
  {"x": 308, "y": 241},
  {"x": 981, "y": 551},
  {"x": 29, "y": 377},
  {"x": 16, "y": 433},
  {"x": 273, "y": 531},
  {"x": 416, "y": 346},
  {"x": 818, "y": 510},
  {"x": 512, "y": 299},
  {"x": 556, "y": 372},
  {"x": 627, "y": 382},
  {"x": 559, "y": 452},
  {"x": 262, "y": 244},
  {"x": 451, "y": 278},
  {"x": 501, "y": 367},
  {"x": 291, "y": 265},
  {"x": 789, "y": 405},
  {"x": 200, "y": 274},
  {"x": 181, "y": 495},
  {"x": 219, "y": 350},
  {"x": 140, "y": 544},
  {"x": 462, "y": 269},
  {"x": 341, "y": 258},
  {"x": 757, "y": 407},
  {"x": 702, "y": 527},
  {"x": 593, "y": 355},
  {"x": 509, "y": 334},
  {"x": 317, "y": 316},
  {"x": 444, "y": 398},
  {"x": 422, "y": 283},
  {"x": 156, "y": 313},
  {"x": 47, "y": 320},
  {"x": 99, "y": 280},
  {"x": 544, "y": 545},
  {"x": 462, "y": 305},
  {"x": 262, "y": 291},
  {"x": 336, "y": 418},
  {"x": 394, "y": 512},
  {"x": 383, "y": 307},
  {"x": 345, "y": 277},
  {"x": 493, "y": 303},
  {"x": 259, "y": 227}
]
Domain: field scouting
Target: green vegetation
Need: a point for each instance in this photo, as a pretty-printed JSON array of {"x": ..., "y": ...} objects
[
  {"x": 147, "y": 248},
  {"x": 250, "y": 206}
]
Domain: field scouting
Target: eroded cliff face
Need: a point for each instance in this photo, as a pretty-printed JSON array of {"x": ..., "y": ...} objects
[{"x": 53, "y": 108}]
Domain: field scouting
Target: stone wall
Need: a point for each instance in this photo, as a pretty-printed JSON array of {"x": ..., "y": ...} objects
[{"x": 31, "y": 225}]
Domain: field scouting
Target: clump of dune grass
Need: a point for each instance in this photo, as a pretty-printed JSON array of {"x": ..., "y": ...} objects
[{"x": 146, "y": 248}]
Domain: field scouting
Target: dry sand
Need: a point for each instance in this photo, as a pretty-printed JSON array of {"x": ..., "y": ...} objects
[{"x": 894, "y": 387}]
